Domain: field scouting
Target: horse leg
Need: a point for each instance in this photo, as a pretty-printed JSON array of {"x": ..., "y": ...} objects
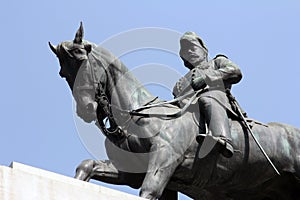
[
  {"x": 158, "y": 174},
  {"x": 100, "y": 170},
  {"x": 84, "y": 170}
]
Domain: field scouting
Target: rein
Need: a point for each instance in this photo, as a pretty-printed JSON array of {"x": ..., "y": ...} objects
[{"x": 137, "y": 112}]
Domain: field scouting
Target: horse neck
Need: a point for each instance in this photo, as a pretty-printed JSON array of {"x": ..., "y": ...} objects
[{"x": 124, "y": 90}]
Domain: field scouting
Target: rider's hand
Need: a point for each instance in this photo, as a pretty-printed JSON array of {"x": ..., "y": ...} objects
[{"x": 198, "y": 83}]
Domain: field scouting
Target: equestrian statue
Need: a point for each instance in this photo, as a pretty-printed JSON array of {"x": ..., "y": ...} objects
[{"x": 168, "y": 147}]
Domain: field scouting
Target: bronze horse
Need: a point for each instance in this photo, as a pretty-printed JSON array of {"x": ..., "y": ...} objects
[{"x": 159, "y": 155}]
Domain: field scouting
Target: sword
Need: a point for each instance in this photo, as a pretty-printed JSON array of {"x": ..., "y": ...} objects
[{"x": 250, "y": 130}]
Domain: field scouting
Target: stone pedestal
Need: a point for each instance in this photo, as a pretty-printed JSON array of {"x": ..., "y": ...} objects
[{"x": 22, "y": 182}]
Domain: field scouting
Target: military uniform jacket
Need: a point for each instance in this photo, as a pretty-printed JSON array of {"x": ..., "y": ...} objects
[{"x": 219, "y": 74}]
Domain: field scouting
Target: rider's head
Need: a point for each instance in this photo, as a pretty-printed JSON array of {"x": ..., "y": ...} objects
[{"x": 192, "y": 50}]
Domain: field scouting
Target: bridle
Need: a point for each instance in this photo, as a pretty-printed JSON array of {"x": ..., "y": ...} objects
[{"x": 104, "y": 111}]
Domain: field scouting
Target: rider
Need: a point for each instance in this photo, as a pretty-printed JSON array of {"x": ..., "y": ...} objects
[{"x": 218, "y": 74}]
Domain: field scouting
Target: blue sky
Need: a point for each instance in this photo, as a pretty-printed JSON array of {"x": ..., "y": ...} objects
[{"x": 37, "y": 122}]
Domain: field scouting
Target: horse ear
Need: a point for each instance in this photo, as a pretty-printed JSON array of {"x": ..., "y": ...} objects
[
  {"x": 79, "y": 35},
  {"x": 88, "y": 48},
  {"x": 53, "y": 48}
]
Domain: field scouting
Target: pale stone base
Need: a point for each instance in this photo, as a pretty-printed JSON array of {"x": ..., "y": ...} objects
[{"x": 22, "y": 182}]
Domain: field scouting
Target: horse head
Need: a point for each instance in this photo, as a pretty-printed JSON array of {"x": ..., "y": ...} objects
[{"x": 73, "y": 59}]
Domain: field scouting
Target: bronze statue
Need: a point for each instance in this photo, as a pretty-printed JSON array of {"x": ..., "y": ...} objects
[{"x": 160, "y": 148}]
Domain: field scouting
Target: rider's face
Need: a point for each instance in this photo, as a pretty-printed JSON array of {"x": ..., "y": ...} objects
[{"x": 192, "y": 52}]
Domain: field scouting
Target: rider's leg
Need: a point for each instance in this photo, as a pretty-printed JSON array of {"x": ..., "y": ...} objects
[{"x": 217, "y": 122}]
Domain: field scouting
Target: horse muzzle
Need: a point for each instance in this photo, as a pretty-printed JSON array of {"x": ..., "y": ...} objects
[{"x": 92, "y": 107}]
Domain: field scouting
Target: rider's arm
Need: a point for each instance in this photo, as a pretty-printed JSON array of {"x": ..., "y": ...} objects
[{"x": 225, "y": 70}]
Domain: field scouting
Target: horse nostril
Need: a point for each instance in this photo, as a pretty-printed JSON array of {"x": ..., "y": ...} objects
[{"x": 91, "y": 107}]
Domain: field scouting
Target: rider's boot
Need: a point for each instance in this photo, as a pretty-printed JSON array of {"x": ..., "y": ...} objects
[
  {"x": 224, "y": 144},
  {"x": 227, "y": 147}
]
